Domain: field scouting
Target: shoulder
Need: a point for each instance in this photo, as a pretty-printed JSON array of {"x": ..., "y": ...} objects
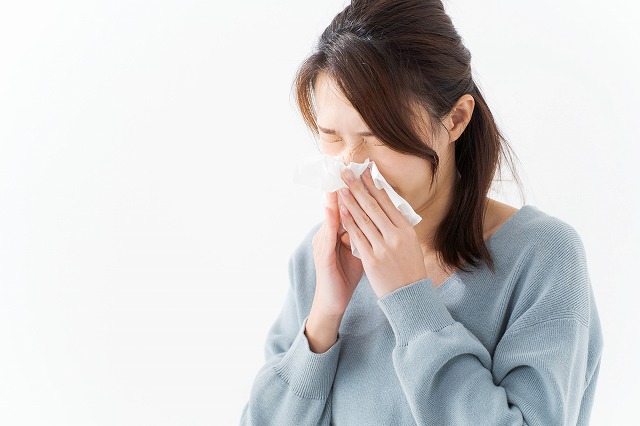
[
  {"x": 545, "y": 258},
  {"x": 538, "y": 233}
]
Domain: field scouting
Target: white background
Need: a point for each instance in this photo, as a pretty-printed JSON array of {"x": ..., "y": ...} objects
[{"x": 147, "y": 211}]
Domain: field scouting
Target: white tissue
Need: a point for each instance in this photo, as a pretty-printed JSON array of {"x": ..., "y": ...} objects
[{"x": 325, "y": 174}]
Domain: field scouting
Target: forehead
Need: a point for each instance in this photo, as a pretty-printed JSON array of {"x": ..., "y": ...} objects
[{"x": 332, "y": 107}]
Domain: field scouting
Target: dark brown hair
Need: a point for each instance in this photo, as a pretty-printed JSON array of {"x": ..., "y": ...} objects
[{"x": 389, "y": 55}]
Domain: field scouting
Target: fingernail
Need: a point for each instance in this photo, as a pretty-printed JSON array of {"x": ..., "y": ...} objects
[
  {"x": 349, "y": 176},
  {"x": 367, "y": 172}
]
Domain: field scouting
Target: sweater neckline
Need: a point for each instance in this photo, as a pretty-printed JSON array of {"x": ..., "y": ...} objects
[
  {"x": 504, "y": 228},
  {"x": 509, "y": 222}
]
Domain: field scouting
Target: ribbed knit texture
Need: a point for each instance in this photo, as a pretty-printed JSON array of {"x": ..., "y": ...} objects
[{"x": 518, "y": 347}]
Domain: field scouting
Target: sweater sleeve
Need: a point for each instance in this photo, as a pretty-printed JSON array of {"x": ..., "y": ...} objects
[
  {"x": 539, "y": 373},
  {"x": 294, "y": 384}
]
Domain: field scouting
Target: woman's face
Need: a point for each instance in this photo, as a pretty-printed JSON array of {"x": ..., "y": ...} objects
[{"x": 343, "y": 132}]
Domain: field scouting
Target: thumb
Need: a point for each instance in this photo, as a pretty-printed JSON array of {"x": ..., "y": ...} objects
[{"x": 332, "y": 226}]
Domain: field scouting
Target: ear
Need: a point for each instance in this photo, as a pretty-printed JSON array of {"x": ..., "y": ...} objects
[{"x": 459, "y": 116}]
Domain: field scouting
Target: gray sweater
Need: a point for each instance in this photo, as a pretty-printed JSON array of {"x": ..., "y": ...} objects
[{"x": 518, "y": 347}]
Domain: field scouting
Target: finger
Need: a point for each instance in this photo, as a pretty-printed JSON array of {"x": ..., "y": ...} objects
[
  {"x": 330, "y": 236},
  {"x": 364, "y": 228},
  {"x": 356, "y": 237},
  {"x": 337, "y": 230},
  {"x": 383, "y": 200},
  {"x": 332, "y": 201},
  {"x": 370, "y": 210},
  {"x": 362, "y": 219},
  {"x": 344, "y": 239},
  {"x": 319, "y": 238},
  {"x": 332, "y": 205}
]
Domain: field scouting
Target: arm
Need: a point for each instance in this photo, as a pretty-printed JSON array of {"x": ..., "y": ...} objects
[
  {"x": 294, "y": 384},
  {"x": 539, "y": 371}
]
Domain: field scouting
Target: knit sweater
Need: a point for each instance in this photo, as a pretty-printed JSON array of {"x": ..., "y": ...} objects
[{"x": 517, "y": 346}]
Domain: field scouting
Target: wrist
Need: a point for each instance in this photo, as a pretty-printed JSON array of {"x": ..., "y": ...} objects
[{"x": 322, "y": 331}]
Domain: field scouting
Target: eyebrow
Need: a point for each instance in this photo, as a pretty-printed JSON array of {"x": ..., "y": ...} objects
[{"x": 333, "y": 132}]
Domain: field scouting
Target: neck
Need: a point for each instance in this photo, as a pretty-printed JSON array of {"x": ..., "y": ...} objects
[{"x": 433, "y": 213}]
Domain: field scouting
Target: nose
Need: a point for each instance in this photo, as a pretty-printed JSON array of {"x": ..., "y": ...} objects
[{"x": 354, "y": 156}]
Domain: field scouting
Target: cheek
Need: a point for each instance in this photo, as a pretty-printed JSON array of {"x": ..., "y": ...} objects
[
  {"x": 330, "y": 148},
  {"x": 327, "y": 148},
  {"x": 394, "y": 176},
  {"x": 408, "y": 178}
]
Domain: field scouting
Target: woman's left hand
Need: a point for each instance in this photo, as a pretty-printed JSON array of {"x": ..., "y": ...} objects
[{"x": 388, "y": 245}]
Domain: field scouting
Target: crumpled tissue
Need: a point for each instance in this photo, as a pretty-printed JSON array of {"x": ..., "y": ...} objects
[{"x": 325, "y": 174}]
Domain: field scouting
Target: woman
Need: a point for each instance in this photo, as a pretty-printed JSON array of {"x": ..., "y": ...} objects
[{"x": 479, "y": 314}]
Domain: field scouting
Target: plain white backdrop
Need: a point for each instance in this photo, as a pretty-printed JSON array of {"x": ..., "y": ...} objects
[{"x": 147, "y": 209}]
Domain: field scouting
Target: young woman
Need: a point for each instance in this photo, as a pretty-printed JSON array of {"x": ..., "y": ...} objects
[{"x": 481, "y": 314}]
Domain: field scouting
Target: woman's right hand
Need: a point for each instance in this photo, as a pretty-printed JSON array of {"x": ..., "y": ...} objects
[{"x": 338, "y": 271}]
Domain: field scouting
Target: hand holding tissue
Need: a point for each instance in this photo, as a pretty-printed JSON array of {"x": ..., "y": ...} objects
[{"x": 325, "y": 174}]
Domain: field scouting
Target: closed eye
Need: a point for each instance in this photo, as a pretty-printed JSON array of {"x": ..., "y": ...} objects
[{"x": 340, "y": 140}]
